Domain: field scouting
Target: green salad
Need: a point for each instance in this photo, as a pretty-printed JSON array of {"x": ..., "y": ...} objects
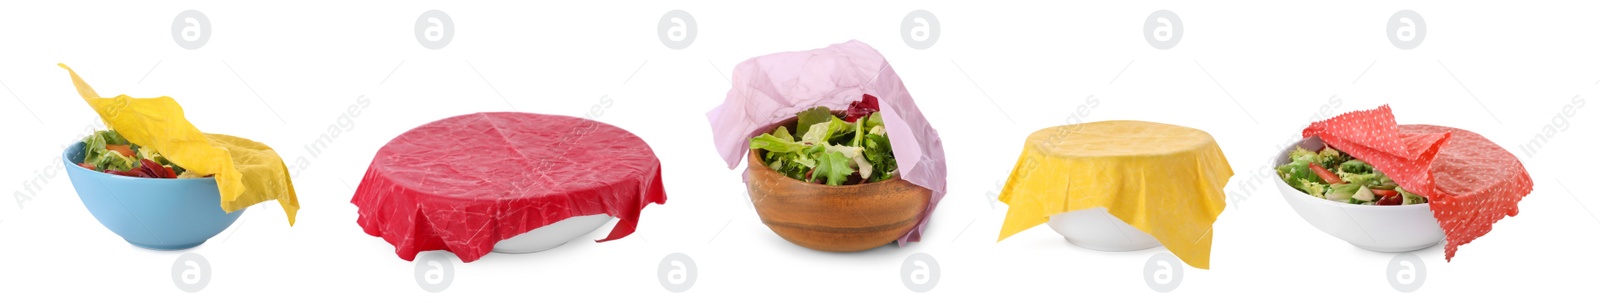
[
  {"x": 106, "y": 151},
  {"x": 827, "y": 149},
  {"x": 1350, "y": 181}
]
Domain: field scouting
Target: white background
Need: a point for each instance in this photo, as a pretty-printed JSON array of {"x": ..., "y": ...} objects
[{"x": 1250, "y": 73}]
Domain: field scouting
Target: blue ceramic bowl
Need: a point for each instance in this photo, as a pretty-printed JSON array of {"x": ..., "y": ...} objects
[{"x": 161, "y": 214}]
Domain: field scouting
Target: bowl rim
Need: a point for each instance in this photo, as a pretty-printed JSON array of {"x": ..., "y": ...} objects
[
  {"x": 1282, "y": 156},
  {"x": 755, "y": 157},
  {"x": 66, "y": 159}
]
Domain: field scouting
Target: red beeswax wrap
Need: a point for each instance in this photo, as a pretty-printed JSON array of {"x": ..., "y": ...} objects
[
  {"x": 1470, "y": 181},
  {"x": 464, "y": 183}
]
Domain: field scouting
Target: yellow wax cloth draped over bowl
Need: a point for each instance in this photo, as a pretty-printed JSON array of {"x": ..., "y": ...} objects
[
  {"x": 1165, "y": 180},
  {"x": 247, "y": 172}
]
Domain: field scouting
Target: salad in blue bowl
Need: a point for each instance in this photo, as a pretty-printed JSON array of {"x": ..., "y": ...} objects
[{"x": 142, "y": 197}]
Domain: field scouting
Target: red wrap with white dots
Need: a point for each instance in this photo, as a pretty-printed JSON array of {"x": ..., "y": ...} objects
[{"x": 1470, "y": 181}]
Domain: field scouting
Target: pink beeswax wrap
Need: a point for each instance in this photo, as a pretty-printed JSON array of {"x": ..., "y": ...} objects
[
  {"x": 771, "y": 88},
  {"x": 464, "y": 183},
  {"x": 1470, "y": 181}
]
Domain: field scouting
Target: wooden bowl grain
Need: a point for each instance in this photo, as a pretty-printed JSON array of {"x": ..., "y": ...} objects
[{"x": 844, "y": 218}]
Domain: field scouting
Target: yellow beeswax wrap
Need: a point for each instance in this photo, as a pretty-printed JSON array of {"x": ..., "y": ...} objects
[
  {"x": 1165, "y": 180},
  {"x": 246, "y": 172},
  {"x": 263, "y": 173}
]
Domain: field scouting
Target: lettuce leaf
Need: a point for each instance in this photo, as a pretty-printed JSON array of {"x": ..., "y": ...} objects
[
  {"x": 774, "y": 144},
  {"x": 95, "y": 152},
  {"x": 1410, "y": 198},
  {"x": 782, "y": 133},
  {"x": 810, "y": 117},
  {"x": 829, "y": 149},
  {"x": 854, "y": 153},
  {"x": 1356, "y": 167},
  {"x": 1318, "y": 190},
  {"x": 1298, "y": 172},
  {"x": 1330, "y": 157},
  {"x": 877, "y": 150},
  {"x": 1372, "y": 178},
  {"x": 833, "y": 166},
  {"x": 783, "y": 154},
  {"x": 110, "y": 160},
  {"x": 1301, "y": 152},
  {"x": 876, "y": 120},
  {"x": 815, "y": 134},
  {"x": 826, "y": 132}
]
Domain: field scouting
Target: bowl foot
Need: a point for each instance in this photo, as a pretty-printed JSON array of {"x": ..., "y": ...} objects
[
  {"x": 551, "y": 236},
  {"x": 1097, "y": 229},
  {"x": 526, "y": 250},
  {"x": 166, "y": 246},
  {"x": 1115, "y": 246},
  {"x": 837, "y": 247},
  {"x": 1395, "y": 249}
]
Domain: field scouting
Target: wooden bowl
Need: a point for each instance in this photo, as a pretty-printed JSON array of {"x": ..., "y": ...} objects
[{"x": 844, "y": 218}]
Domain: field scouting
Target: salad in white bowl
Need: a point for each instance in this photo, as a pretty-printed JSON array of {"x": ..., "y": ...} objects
[
  {"x": 1335, "y": 176},
  {"x": 1343, "y": 201}
]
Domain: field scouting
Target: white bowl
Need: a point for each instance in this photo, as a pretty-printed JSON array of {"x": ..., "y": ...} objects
[
  {"x": 1381, "y": 228},
  {"x": 1098, "y": 230},
  {"x": 551, "y": 236}
]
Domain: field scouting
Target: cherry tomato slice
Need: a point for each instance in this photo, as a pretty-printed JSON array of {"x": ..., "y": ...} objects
[
  {"x": 1385, "y": 192},
  {"x": 121, "y": 149},
  {"x": 1327, "y": 176}
]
